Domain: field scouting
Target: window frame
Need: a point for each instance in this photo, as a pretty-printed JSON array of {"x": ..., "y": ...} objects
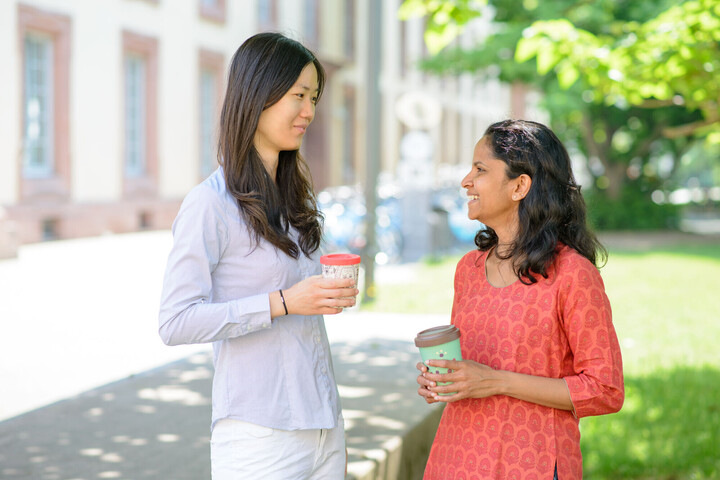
[
  {"x": 272, "y": 21},
  {"x": 45, "y": 89},
  {"x": 209, "y": 61},
  {"x": 144, "y": 183},
  {"x": 55, "y": 184},
  {"x": 215, "y": 13}
]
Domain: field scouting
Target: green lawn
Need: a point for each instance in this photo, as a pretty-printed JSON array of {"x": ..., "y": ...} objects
[{"x": 666, "y": 310}]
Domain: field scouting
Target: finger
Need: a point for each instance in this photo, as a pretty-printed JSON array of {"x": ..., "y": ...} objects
[
  {"x": 451, "y": 364},
  {"x": 440, "y": 377},
  {"x": 342, "y": 302},
  {"x": 339, "y": 292},
  {"x": 451, "y": 388},
  {"x": 421, "y": 366},
  {"x": 423, "y": 392},
  {"x": 330, "y": 310},
  {"x": 345, "y": 282},
  {"x": 448, "y": 398},
  {"x": 421, "y": 380},
  {"x": 330, "y": 283}
]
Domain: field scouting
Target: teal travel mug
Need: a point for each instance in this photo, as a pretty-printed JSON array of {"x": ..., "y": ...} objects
[{"x": 439, "y": 343}]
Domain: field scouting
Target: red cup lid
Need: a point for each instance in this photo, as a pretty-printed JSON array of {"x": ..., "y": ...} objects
[{"x": 340, "y": 259}]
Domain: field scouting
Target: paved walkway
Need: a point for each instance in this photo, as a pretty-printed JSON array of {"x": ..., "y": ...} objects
[{"x": 89, "y": 391}]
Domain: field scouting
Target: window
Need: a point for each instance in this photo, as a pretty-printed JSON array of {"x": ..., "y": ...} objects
[
  {"x": 403, "y": 49},
  {"x": 38, "y": 106},
  {"x": 213, "y": 10},
  {"x": 210, "y": 96},
  {"x": 135, "y": 115},
  {"x": 139, "y": 115},
  {"x": 311, "y": 19},
  {"x": 348, "y": 149},
  {"x": 45, "y": 158},
  {"x": 349, "y": 30},
  {"x": 267, "y": 14},
  {"x": 208, "y": 115}
]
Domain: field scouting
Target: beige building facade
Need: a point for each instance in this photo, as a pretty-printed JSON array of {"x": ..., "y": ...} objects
[{"x": 108, "y": 108}]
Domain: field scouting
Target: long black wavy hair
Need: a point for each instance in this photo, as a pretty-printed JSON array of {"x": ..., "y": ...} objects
[
  {"x": 552, "y": 212},
  {"x": 262, "y": 70}
]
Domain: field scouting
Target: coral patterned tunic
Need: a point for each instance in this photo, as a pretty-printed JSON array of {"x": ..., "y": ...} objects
[{"x": 559, "y": 327}]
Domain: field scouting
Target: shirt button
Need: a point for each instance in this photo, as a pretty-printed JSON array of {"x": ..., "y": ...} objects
[
  {"x": 317, "y": 340},
  {"x": 323, "y": 369}
]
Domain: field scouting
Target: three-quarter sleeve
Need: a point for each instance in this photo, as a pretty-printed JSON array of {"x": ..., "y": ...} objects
[
  {"x": 597, "y": 387},
  {"x": 187, "y": 315}
]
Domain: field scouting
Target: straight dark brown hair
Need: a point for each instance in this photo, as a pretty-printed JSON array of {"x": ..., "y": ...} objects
[{"x": 262, "y": 70}]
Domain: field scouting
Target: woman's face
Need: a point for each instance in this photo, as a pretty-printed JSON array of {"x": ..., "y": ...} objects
[
  {"x": 490, "y": 192},
  {"x": 282, "y": 126}
]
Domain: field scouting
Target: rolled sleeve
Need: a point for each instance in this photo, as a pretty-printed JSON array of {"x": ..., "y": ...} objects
[{"x": 597, "y": 386}]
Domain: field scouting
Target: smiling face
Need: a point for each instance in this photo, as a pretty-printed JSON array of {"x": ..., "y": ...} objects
[
  {"x": 283, "y": 125},
  {"x": 493, "y": 198}
]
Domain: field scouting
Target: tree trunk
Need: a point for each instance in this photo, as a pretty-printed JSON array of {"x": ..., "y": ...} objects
[{"x": 615, "y": 173}]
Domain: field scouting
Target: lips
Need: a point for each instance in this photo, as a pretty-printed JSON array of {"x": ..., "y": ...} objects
[{"x": 302, "y": 128}]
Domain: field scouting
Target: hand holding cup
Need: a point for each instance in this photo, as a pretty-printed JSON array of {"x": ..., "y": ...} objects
[
  {"x": 341, "y": 265},
  {"x": 439, "y": 343}
]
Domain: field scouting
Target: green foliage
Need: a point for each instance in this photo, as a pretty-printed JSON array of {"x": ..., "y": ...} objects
[
  {"x": 671, "y": 59},
  {"x": 446, "y": 19},
  {"x": 633, "y": 210},
  {"x": 594, "y": 61}
]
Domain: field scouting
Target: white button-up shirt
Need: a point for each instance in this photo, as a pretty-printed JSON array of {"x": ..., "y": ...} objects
[{"x": 276, "y": 373}]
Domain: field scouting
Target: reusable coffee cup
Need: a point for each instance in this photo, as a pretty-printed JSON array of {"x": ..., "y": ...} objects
[
  {"x": 439, "y": 343},
  {"x": 341, "y": 265}
]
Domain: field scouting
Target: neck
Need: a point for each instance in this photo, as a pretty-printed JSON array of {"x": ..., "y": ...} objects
[
  {"x": 270, "y": 160},
  {"x": 271, "y": 168}
]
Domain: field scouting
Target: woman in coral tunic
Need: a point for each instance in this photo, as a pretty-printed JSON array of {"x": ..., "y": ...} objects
[{"x": 538, "y": 343}]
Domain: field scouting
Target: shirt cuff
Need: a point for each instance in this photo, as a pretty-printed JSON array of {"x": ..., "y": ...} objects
[{"x": 252, "y": 313}]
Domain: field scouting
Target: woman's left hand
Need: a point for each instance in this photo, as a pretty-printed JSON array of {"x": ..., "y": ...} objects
[{"x": 469, "y": 379}]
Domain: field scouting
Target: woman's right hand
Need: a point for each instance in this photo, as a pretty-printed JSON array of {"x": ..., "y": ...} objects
[
  {"x": 319, "y": 296},
  {"x": 424, "y": 384}
]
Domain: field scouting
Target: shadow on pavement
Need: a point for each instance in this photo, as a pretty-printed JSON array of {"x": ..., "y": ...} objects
[{"x": 157, "y": 424}]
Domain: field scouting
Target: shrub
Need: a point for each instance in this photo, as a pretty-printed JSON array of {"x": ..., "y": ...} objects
[{"x": 633, "y": 210}]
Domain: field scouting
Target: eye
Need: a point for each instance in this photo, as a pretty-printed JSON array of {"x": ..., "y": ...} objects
[{"x": 314, "y": 100}]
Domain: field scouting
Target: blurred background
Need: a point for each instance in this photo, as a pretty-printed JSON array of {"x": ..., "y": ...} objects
[
  {"x": 109, "y": 109},
  {"x": 109, "y": 113}
]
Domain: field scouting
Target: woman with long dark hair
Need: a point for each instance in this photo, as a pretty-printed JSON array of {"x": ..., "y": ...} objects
[
  {"x": 243, "y": 274},
  {"x": 538, "y": 344}
]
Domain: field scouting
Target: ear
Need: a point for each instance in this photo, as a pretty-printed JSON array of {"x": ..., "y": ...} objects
[{"x": 521, "y": 187}]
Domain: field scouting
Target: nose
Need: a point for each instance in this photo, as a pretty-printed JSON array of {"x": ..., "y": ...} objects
[
  {"x": 308, "y": 110},
  {"x": 466, "y": 182}
]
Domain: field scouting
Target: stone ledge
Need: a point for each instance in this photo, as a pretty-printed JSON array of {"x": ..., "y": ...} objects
[
  {"x": 400, "y": 458},
  {"x": 389, "y": 428}
]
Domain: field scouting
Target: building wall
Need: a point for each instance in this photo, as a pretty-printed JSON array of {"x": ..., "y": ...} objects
[{"x": 94, "y": 197}]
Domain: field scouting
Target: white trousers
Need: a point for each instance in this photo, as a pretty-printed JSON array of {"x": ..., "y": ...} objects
[{"x": 241, "y": 450}]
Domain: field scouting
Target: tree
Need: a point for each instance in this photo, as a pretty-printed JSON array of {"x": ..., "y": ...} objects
[
  {"x": 672, "y": 59},
  {"x": 620, "y": 138}
]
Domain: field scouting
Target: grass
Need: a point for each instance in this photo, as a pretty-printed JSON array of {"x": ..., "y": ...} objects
[{"x": 666, "y": 310}]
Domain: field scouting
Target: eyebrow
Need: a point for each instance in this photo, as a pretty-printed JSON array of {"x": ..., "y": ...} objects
[{"x": 305, "y": 87}]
